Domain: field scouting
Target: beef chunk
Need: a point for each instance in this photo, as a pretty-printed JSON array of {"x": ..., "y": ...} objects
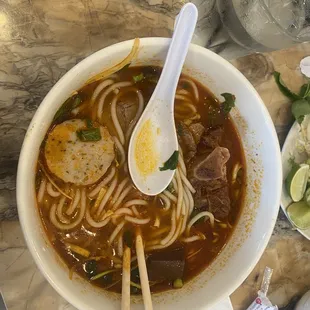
[
  {"x": 187, "y": 141},
  {"x": 210, "y": 139},
  {"x": 209, "y": 178},
  {"x": 126, "y": 111},
  {"x": 167, "y": 264},
  {"x": 212, "y": 166},
  {"x": 197, "y": 131},
  {"x": 216, "y": 201}
]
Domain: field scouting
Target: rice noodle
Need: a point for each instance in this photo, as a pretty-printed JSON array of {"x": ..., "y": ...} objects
[
  {"x": 197, "y": 217},
  {"x": 120, "y": 149},
  {"x": 122, "y": 197},
  {"x": 74, "y": 202},
  {"x": 100, "y": 88},
  {"x": 193, "y": 87},
  {"x": 106, "y": 197},
  {"x": 185, "y": 108},
  {"x": 51, "y": 191},
  {"x": 166, "y": 201},
  {"x": 105, "y": 220},
  {"x": 192, "y": 239},
  {"x": 41, "y": 190},
  {"x": 51, "y": 180},
  {"x": 104, "y": 182},
  {"x": 191, "y": 200},
  {"x": 138, "y": 202},
  {"x": 175, "y": 184},
  {"x": 127, "y": 60},
  {"x": 159, "y": 231},
  {"x": 172, "y": 229},
  {"x": 185, "y": 204},
  {"x": 157, "y": 221},
  {"x": 176, "y": 234},
  {"x": 172, "y": 240},
  {"x": 116, "y": 123},
  {"x": 185, "y": 218},
  {"x": 183, "y": 92},
  {"x": 78, "y": 219},
  {"x": 59, "y": 211},
  {"x": 187, "y": 182},
  {"x": 135, "y": 211},
  {"x": 106, "y": 93},
  {"x": 136, "y": 221},
  {"x": 181, "y": 161},
  {"x": 235, "y": 171},
  {"x": 119, "y": 190},
  {"x": 137, "y": 116},
  {"x": 120, "y": 212},
  {"x": 115, "y": 232},
  {"x": 170, "y": 196},
  {"x": 182, "y": 98},
  {"x": 180, "y": 194}
]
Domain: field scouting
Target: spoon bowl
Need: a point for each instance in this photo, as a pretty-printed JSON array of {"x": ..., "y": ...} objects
[{"x": 153, "y": 147}]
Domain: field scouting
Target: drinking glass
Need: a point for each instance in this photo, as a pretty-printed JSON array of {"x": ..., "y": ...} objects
[{"x": 264, "y": 25}]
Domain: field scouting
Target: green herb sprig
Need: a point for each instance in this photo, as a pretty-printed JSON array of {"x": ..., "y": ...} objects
[
  {"x": 171, "y": 163},
  {"x": 301, "y": 101}
]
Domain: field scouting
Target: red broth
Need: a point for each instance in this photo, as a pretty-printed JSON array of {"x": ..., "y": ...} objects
[{"x": 101, "y": 255}]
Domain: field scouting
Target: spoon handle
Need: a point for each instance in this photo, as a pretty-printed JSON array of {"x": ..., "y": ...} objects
[{"x": 181, "y": 39}]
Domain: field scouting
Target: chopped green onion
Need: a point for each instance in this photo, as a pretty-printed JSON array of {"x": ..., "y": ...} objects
[
  {"x": 138, "y": 78},
  {"x": 171, "y": 163},
  {"x": 135, "y": 285},
  {"x": 92, "y": 134},
  {"x": 178, "y": 283},
  {"x": 89, "y": 123},
  {"x": 101, "y": 274}
]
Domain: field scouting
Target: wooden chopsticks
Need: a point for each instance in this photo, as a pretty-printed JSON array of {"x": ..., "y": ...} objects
[
  {"x": 126, "y": 279},
  {"x": 146, "y": 293},
  {"x": 144, "y": 280}
]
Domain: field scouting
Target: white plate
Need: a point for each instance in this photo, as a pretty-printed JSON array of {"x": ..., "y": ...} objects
[{"x": 288, "y": 151}]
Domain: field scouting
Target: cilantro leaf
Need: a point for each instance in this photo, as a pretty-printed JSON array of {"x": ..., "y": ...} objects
[
  {"x": 229, "y": 102},
  {"x": 171, "y": 163},
  {"x": 91, "y": 134}
]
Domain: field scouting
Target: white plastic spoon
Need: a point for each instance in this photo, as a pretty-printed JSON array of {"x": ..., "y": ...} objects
[{"x": 154, "y": 138}]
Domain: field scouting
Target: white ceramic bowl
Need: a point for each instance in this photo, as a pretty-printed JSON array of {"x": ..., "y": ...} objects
[{"x": 264, "y": 180}]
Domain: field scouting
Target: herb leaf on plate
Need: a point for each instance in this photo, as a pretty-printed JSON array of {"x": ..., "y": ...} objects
[
  {"x": 301, "y": 101},
  {"x": 283, "y": 88},
  {"x": 300, "y": 108},
  {"x": 304, "y": 91}
]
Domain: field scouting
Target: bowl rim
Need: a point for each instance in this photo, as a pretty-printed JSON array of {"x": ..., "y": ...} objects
[{"x": 21, "y": 186}]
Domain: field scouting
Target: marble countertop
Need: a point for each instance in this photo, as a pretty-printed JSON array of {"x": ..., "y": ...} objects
[{"x": 40, "y": 40}]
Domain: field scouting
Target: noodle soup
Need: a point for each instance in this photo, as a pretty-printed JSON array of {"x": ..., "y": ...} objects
[{"x": 90, "y": 208}]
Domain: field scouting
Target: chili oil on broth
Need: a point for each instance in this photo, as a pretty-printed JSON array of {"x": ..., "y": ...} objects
[{"x": 102, "y": 255}]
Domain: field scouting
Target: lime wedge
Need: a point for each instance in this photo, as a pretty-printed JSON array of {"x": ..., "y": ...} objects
[
  {"x": 307, "y": 196},
  {"x": 299, "y": 214},
  {"x": 296, "y": 181}
]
